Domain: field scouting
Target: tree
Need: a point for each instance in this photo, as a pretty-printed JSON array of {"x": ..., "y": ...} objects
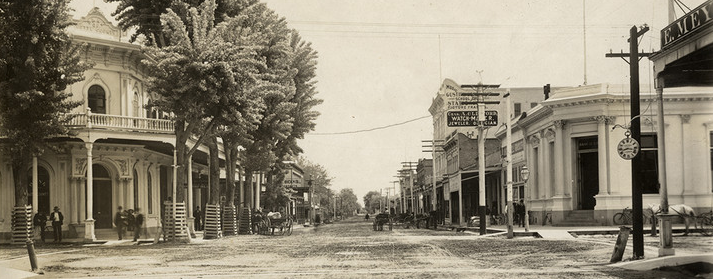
[
  {"x": 348, "y": 204},
  {"x": 321, "y": 181},
  {"x": 201, "y": 77},
  {"x": 373, "y": 201},
  {"x": 43, "y": 61}
]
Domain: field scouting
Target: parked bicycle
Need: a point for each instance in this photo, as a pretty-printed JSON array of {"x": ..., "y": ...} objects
[{"x": 625, "y": 217}]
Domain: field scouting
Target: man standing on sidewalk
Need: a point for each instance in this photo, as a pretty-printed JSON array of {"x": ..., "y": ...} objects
[
  {"x": 119, "y": 222},
  {"x": 57, "y": 219},
  {"x": 138, "y": 222}
]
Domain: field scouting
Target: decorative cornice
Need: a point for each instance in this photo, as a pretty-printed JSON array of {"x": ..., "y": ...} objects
[{"x": 604, "y": 119}]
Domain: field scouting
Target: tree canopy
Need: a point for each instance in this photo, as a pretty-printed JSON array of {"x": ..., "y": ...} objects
[{"x": 33, "y": 104}]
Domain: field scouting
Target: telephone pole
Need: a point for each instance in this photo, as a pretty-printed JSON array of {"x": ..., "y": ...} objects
[{"x": 635, "y": 129}]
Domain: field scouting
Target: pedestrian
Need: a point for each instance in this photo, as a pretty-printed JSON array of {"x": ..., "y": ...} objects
[
  {"x": 57, "y": 219},
  {"x": 521, "y": 213},
  {"x": 197, "y": 214},
  {"x": 119, "y": 222},
  {"x": 138, "y": 222},
  {"x": 130, "y": 220},
  {"x": 40, "y": 222}
]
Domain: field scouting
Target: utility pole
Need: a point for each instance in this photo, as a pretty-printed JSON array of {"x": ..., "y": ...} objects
[
  {"x": 508, "y": 158},
  {"x": 635, "y": 129}
]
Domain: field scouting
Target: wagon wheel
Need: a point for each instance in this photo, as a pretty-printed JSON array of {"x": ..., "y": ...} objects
[
  {"x": 705, "y": 225},
  {"x": 288, "y": 227}
]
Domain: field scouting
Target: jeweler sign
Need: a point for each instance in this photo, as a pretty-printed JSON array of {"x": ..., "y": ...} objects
[{"x": 466, "y": 118}]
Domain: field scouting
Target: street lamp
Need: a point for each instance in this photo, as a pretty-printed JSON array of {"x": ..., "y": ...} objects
[{"x": 525, "y": 174}]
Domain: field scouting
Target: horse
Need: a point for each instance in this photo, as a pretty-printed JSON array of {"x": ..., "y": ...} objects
[{"x": 684, "y": 211}]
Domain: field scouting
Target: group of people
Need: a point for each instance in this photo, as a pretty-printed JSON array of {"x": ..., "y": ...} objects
[
  {"x": 128, "y": 220},
  {"x": 40, "y": 223}
]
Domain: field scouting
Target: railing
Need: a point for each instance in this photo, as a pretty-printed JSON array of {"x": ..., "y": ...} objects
[{"x": 91, "y": 120}]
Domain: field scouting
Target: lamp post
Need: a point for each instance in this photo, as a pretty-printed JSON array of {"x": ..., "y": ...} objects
[{"x": 525, "y": 174}]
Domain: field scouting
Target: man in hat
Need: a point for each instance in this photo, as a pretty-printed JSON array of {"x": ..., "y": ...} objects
[
  {"x": 119, "y": 222},
  {"x": 57, "y": 219}
]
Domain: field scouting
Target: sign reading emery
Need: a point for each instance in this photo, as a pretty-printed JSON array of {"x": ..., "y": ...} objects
[
  {"x": 685, "y": 25},
  {"x": 466, "y": 118}
]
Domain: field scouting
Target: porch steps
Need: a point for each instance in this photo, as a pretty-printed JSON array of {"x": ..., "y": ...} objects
[{"x": 578, "y": 218}]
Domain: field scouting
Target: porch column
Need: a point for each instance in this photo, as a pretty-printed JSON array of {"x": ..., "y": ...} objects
[
  {"x": 73, "y": 202},
  {"x": 82, "y": 188},
  {"x": 35, "y": 199},
  {"x": 258, "y": 188},
  {"x": 559, "y": 158},
  {"x": 189, "y": 201},
  {"x": 602, "y": 133},
  {"x": 542, "y": 169},
  {"x": 89, "y": 223},
  {"x": 685, "y": 125}
]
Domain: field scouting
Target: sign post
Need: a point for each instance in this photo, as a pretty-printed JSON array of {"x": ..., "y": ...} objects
[{"x": 467, "y": 109}]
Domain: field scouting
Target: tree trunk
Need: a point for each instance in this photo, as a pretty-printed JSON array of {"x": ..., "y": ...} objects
[
  {"x": 231, "y": 156},
  {"x": 248, "y": 188},
  {"x": 20, "y": 179},
  {"x": 214, "y": 171}
]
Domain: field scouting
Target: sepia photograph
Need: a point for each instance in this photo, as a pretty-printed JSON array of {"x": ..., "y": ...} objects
[{"x": 356, "y": 139}]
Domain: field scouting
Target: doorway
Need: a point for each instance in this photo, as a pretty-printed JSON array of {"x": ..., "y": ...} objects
[
  {"x": 455, "y": 210},
  {"x": 43, "y": 190},
  {"x": 588, "y": 161},
  {"x": 102, "y": 197}
]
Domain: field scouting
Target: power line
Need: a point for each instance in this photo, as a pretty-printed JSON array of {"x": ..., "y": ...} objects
[{"x": 369, "y": 130}]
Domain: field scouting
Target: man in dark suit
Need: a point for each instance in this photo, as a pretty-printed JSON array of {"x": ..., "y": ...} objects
[
  {"x": 138, "y": 223},
  {"x": 40, "y": 222},
  {"x": 119, "y": 222},
  {"x": 57, "y": 220}
]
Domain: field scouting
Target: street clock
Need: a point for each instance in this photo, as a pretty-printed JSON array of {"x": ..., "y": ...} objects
[{"x": 628, "y": 148}]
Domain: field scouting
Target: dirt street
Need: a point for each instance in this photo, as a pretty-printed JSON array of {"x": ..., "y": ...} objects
[{"x": 348, "y": 249}]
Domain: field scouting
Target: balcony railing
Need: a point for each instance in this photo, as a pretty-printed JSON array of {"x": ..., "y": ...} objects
[{"x": 117, "y": 122}]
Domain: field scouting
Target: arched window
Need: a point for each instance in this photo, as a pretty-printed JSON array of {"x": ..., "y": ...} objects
[
  {"x": 97, "y": 99},
  {"x": 136, "y": 104}
]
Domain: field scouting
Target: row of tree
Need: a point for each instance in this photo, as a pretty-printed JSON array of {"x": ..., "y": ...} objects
[{"x": 227, "y": 71}]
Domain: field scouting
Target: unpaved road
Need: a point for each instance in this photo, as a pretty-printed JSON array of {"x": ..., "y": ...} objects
[{"x": 349, "y": 249}]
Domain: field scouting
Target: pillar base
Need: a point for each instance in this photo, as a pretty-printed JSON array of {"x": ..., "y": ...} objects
[
  {"x": 666, "y": 234},
  {"x": 191, "y": 226},
  {"x": 89, "y": 235}
]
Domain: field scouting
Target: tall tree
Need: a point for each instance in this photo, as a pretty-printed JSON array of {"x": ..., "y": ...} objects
[
  {"x": 321, "y": 181},
  {"x": 198, "y": 77},
  {"x": 347, "y": 203},
  {"x": 373, "y": 201},
  {"x": 38, "y": 62}
]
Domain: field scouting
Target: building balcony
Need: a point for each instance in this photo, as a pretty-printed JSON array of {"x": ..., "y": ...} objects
[{"x": 93, "y": 121}]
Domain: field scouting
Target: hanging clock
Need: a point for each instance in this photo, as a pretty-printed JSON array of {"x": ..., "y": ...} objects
[{"x": 628, "y": 148}]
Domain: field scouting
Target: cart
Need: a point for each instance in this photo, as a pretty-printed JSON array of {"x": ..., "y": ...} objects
[
  {"x": 380, "y": 220},
  {"x": 268, "y": 226}
]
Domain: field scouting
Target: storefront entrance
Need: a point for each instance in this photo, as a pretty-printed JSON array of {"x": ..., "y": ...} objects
[
  {"x": 455, "y": 210},
  {"x": 588, "y": 172},
  {"x": 102, "y": 207}
]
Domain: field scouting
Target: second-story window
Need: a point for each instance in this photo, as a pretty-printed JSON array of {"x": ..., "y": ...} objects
[{"x": 97, "y": 99}]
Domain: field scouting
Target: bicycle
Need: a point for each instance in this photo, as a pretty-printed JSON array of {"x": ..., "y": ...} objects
[{"x": 625, "y": 217}]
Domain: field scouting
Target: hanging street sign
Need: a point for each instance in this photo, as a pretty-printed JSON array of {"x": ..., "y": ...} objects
[{"x": 467, "y": 118}]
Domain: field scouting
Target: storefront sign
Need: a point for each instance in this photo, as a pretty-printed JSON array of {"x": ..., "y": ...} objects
[
  {"x": 692, "y": 21},
  {"x": 468, "y": 118}
]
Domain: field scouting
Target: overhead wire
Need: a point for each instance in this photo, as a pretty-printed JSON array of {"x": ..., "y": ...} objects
[{"x": 370, "y": 129}]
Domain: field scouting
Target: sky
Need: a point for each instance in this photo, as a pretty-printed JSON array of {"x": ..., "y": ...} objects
[{"x": 381, "y": 63}]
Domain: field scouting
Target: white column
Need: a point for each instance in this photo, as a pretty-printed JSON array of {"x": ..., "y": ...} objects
[
  {"x": 82, "y": 188},
  {"x": 189, "y": 202},
  {"x": 559, "y": 158},
  {"x": 35, "y": 199},
  {"x": 541, "y": 175},
  {"x": 89, "y": 223},
  {"x": 602, "y": 154},
  {"x": 685, "y": 120},
  {"x": 73, "y": 204}
]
